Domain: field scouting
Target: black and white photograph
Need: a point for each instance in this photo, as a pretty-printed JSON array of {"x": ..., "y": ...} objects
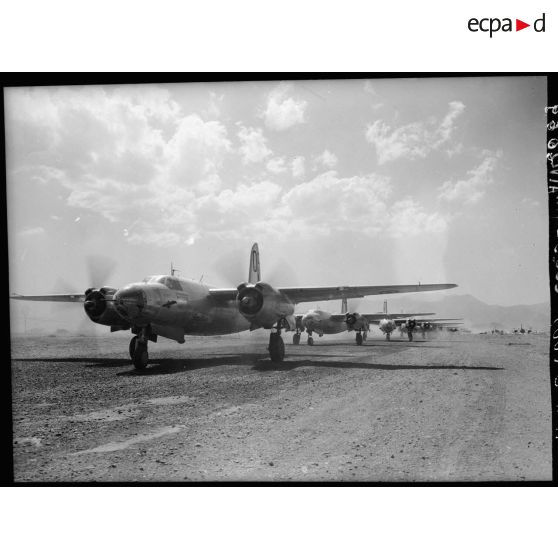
[{"x": 280, "y": 280}]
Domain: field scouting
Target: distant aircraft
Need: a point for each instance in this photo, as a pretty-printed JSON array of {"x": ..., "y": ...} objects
[
  {"x": 173, "y": 307},
  {"x": 410, "y": 325},
  {"x": 326, "y": 323}
]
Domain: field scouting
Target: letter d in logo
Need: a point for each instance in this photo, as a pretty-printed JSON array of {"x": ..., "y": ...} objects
[{"x": 539, "y": 24}]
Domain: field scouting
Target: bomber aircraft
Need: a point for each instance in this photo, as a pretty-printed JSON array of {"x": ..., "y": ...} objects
[
  {"x": 322, "y": 322},
  {"x": 173, "y": 307},
  {"x": 409, "y": 326}
]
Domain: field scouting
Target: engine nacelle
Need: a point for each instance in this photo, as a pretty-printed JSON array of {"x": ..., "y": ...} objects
[
  {"x": 355, "y": 321},
  {"x": 99, "y": 310},
  {"x": 262, "y": 305},
  {"x": 387, "y": 326}
]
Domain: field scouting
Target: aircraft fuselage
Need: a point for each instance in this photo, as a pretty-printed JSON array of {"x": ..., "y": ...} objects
[{"x": 189, "y": 309}]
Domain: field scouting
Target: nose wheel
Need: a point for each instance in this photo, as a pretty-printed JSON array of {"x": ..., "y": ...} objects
[
  {"x": 296, "y": 338},
  {"x": 359, "y": 338}
]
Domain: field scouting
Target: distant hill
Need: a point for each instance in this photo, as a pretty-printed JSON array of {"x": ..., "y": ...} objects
[{"x": 477, "y": 314}]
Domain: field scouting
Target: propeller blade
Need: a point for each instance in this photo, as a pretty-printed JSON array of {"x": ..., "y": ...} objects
[
  {"x": 231, "y": 267},
  {"x": 280, "y": 274},
  {"x": 99, "y": 268}
]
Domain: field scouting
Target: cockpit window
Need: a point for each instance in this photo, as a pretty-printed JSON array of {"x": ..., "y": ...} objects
[{"x": 173, "y": 284}]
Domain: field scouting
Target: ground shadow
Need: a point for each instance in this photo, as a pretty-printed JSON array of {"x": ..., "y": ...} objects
[
  {"x": 264, "y": 365},
  {"x": 258, "y": 362}
]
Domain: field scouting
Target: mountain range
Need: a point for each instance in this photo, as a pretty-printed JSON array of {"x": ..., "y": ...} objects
[{"x": 478, "y": 315}]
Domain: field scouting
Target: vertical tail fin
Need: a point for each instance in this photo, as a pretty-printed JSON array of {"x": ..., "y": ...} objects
[
  {"x": 343, "y": 306},
  {"x": 254, "y": 270}
]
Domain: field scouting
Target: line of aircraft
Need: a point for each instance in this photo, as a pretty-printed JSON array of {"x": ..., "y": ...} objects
[
  {"x": 326, "y": 323},
  {"x": 172, "y": 307}
]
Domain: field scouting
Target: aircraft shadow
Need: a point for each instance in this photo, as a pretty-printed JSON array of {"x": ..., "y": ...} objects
[
  {"x": 264, "y": 365},
  {"x": 259, "y": 362}
]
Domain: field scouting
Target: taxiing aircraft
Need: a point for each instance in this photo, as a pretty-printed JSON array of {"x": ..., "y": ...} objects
[
  {"x": 325, "y": 323},
  {"x": 173, "y": 307},
  {"x": 409, "y": 326}
]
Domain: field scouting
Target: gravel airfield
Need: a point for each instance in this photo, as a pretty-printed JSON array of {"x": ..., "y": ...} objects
[{"x": 455, "y": 408}]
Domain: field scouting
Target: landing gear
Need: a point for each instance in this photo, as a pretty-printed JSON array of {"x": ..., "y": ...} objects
[
  {"x": 140, "y": 356},
  {"x": 388, "y": 336},
  {"x": 364, "y": 335},
  {"x": 138, "y": 346},
  {"x": 296, "y": 338},
  {"x": 410, "y": 335},
  {"x": 133, "y": 346},
  {"x": 359, "y": 338},
  {"x": 276, "y": 346},
  {"x": 310, "y": 340}
]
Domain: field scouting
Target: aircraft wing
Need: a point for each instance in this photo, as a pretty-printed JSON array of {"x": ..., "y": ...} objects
[
  {"x": 315, "y": 294},
  {"x": 375, "y": 318},
  {"x": 79, "y": 297}
]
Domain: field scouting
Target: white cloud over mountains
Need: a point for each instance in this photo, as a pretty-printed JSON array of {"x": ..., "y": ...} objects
[{"x": 415, "y": 140}]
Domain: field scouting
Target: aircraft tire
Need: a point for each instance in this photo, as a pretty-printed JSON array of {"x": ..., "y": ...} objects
[
  {"x": 310, "y": 341},
  {"x": 132, "y": 347},
  {"x": 364, "y": 335},
  {"x": 296, "y": 338},
  {"x": 141, "y": 356},
  {"x": 388, "y": 336},
  {"x": 410, "y": 334},
  {"x": 359, "y": 338},
  {"x": 276, "y": 347}
]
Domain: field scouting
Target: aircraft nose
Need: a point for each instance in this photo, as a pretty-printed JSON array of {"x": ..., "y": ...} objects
[{"x": 129, "y": 301}]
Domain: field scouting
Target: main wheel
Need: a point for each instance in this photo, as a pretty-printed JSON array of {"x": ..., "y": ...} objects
[
  {"x": 133, "y": 346},
  {"x": 410, "y": 335},
  {"x": 359, "y": 338},
  {"x": 296, "y": 338},
  {"x": 276, "y": 347},
  {"x": 310, "y": 340},
  {"x": 364, "y": 335},
  {"x": 141, "y": 356},
  {"x": 388, "y": 336}
]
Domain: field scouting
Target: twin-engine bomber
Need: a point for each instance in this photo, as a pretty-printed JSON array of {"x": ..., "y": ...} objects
[{"x": 173, "y": 307}]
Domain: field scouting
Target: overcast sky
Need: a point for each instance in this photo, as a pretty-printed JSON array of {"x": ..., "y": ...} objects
[{"x": 340, "y": 182}]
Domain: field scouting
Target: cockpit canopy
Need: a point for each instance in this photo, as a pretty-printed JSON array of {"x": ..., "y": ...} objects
[{"x": 170, "y": 282}]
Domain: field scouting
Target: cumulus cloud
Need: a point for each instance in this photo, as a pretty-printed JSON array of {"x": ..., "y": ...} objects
[
  {"x": 408, "y": 218},
  {"x": 118, "y": 151},
  {"x": 357, "y": 203},
  {"x": 157, "y": 172},
  {"x": 297, "y": 167},
  {"x": 276, "y": 165},
  {"x": 253, "y": 146},
  {"x": 415, "y": 140},
  {"x": 473, "y": 188},
  {"x": 282, "y": 111},
  {"x": 326, "y": 159}
]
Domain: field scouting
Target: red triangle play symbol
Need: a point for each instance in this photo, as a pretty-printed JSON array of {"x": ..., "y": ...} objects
[{"x": 519, "y": 25}]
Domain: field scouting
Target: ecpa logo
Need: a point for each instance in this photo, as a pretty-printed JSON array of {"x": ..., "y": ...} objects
[{"x": 494, "y": 24}]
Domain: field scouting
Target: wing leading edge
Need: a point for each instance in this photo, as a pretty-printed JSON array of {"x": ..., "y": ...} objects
[
  {"x": 315, "y": 294},
  {"x": 78, "y": 297}
]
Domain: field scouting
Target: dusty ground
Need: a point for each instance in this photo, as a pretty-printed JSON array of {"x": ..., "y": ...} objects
[{"x": 467, "y": 408}]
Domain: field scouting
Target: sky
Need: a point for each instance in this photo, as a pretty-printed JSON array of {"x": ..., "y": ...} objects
[{"x": 341, "y": 182}]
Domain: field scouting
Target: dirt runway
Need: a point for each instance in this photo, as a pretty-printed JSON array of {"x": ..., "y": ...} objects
[{"x": 462, "y": 408}]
